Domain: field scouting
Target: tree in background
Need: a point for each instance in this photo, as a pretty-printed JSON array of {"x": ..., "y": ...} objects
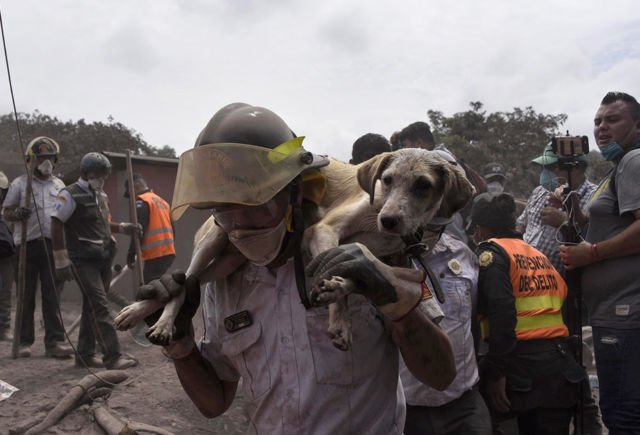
[
  {"x": 75, "y": 138},
  {"x": 510, "y": 138}
]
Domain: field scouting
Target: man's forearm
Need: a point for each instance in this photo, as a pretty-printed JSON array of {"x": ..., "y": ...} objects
[
  {"x": 211, "y": 395},
  {"x": 426, "y": 349}
]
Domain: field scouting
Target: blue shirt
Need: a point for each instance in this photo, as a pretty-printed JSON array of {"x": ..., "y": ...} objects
[{"x": 457, "y": 270}]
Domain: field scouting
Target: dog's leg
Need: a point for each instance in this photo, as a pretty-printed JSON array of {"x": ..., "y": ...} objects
[
  {"x": 130, "y": 315},
  {"x": 162, "y": 331}
]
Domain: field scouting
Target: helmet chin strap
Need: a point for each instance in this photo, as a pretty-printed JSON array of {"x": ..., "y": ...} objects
[{"x": 297, "y": 223}]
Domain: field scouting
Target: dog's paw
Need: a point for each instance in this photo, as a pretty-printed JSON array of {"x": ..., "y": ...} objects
[
  {"x": 340, "y": 334},
  {"x": 129, "y": 316},
  {"x": 160, "y": 334},
  {"x": 330, "y": 290}
]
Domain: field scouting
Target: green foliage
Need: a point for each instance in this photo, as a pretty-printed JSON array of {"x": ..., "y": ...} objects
[
  {"x": 510, "y": 138},
  {"x": 75, "y": 138}
]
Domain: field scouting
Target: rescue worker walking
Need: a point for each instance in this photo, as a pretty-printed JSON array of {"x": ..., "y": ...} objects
[
  {"x": 247, "y": 167},
  {"x": 83, "y": 249},
  {"x": 529, "y": 371},
  {"x": 37, "y": 218},
  {"x": 153, "y": 212}
]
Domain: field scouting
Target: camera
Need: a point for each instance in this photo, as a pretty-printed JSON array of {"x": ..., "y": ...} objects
[{"x": 569, "y": 148}]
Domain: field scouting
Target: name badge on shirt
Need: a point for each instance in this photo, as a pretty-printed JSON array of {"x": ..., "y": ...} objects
[{"x": 238, "y": 321}]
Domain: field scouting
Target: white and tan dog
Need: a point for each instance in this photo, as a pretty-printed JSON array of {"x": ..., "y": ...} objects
[{"x": 375, "y": 203}]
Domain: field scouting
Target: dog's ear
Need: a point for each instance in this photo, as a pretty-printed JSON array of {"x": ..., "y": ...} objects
[
  {"x": 370, "y": 171},
  {"x": 458, "y": 190}
]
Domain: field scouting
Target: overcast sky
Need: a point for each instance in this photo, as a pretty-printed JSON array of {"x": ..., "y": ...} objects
[{"x": 333, "y": 69}]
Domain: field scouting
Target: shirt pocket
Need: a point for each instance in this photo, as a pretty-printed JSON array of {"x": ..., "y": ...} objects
[
  {"x": 249, "y": 355},
  {"x": 333, "y": 366},
  {"x": 50, "y": 198}
]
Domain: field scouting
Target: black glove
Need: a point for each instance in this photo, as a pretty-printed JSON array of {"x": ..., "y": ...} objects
[
  {"x": 352, "y": 262},
  {"x": 21, "y": 213}
]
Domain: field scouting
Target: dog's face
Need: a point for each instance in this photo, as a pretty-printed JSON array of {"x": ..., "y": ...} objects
[{"x": 415, "y": 185}]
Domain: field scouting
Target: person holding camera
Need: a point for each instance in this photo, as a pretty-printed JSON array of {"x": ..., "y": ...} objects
[
  {"x": 609, "y": 260},
  {"x": 541, "y": 218}
]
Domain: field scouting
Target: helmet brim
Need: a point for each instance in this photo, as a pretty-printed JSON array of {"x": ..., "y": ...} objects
[{"x": 231, "y": 173}]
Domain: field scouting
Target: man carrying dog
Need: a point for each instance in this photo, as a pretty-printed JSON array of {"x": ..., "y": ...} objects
[{"x": 250, "y": 170}]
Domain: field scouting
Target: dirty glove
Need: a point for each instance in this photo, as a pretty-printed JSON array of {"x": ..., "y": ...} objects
[
  {"x": 63, "y": 265},
  {"x": 21, "y": 213},
  {"x": 130, "y": 228},
  {"x": 396, "y": 291}
]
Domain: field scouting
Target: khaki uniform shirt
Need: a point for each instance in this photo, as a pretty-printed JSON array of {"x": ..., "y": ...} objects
[{"x": 294, "y": 380}]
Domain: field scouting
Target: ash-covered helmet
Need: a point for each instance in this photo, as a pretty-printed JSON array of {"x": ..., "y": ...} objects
[
  {"x": 245, "y": 155},
  {"x": 42, "y": 146},
  {"x": 95, "y": 163}
]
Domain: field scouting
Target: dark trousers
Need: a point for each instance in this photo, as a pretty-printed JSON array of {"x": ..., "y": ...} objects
[
  {"x": 156, "y": 267},
  {"x": 6, "y": 281},
  {"x": 467, "y": 414},
  {"x": 617, "y": 362},
  {"x": 96, "y": 322},
  {"x": 38, "y": 267}
]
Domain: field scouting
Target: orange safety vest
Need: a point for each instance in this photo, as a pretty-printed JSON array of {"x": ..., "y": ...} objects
[
  {"x": 158, "y": 236},
  {"x": 539, "y": 290}
]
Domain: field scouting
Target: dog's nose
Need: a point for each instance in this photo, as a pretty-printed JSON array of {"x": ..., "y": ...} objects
[{"x": 389, "y": 222}]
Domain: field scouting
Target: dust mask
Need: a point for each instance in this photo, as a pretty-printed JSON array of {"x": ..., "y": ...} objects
[
  {"x": 261, "y": 246},
  {"x": 97, "y": 183},
  {"x": 495, "y": 187},
  {"x": 46, "y": 167}
]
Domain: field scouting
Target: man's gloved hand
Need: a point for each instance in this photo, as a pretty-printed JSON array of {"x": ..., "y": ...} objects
[
  {"x": 130, "y": 228},
  {"x": 355, "y": 262},
  {"x": 63, "y": 265},
  {"x": 21, "y": 213},
  {"x": 396, "y": 291}
]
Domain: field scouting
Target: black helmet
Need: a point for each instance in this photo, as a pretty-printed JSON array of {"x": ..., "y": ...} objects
[
  {"x": 245, "y": 124},
  {"x": 95, "y": 163},
  {"x": 494, "y": 210},
  {"x": 244, "y": 155},
  {"x": 42, "y": 146}
]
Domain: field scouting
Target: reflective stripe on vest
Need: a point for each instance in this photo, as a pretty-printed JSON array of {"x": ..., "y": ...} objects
[
  {"x": 158, "y": 237},
  {"x": 539, "y": 291}
]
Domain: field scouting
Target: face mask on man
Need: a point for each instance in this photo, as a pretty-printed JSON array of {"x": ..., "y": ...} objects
[
  {"x": 495, "y": 187},
  {"x": 548, "y": 180},
  {"x": 97, "y": 184},
  {"x": 612, "y": 152},
  {"x": 261, "y": 246},
  {"x": 46, "y": 167}
]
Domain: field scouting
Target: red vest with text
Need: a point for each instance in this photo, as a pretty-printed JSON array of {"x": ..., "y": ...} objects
[{"x": 539, "y": 290}]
